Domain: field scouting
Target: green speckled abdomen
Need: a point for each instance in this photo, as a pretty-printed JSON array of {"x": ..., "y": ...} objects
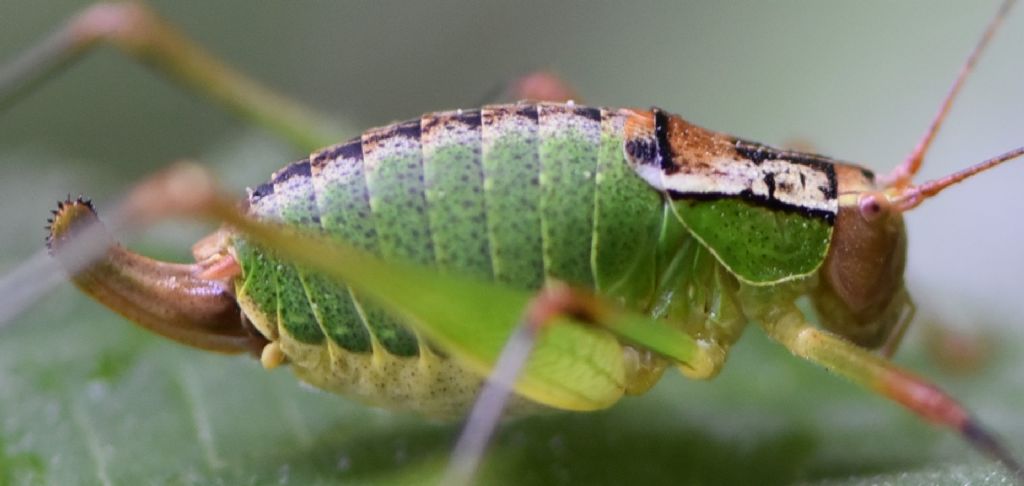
[{"x": 514, "y": 193}]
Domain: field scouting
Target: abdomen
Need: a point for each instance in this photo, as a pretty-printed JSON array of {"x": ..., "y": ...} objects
[{"x": 513, "y": 193}]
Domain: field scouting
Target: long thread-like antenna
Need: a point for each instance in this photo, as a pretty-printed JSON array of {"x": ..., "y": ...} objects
[
  {"x": 909, "y": 197},
  {"x": 902, "y": 175}
]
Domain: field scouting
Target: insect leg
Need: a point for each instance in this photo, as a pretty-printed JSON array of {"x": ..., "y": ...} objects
[
  {"x": 550, "y": 302},
  {"x": 957, "y": 351},
  {"x": 137, "y": 31},
  {"x": 891, "y": 344},
  {"x": 790, "y": 328},
  {"x": 541, "y": 85}
]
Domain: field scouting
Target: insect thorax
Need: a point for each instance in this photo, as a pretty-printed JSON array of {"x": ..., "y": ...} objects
[{"x": 773, "y": 216}]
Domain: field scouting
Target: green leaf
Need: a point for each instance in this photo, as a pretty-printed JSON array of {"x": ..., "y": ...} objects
[
  {"x": 86, "y": 395},
  {"x": 87, "y": 398}
]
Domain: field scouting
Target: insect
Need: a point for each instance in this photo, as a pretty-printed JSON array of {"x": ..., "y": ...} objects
[{"x": 654, "y": 125}]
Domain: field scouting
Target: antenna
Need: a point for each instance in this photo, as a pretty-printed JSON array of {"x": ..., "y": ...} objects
[
  {"x": 903, "y": 174},
  {"x": 909, "y": 197}
]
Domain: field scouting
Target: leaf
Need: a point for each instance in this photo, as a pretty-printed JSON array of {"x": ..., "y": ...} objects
[
  {"x": 93, "y": 397},
  {"x": 87, "y": 398}
]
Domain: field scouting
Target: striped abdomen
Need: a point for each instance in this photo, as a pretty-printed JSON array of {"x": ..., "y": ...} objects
[{"x": 516, "y": 193}]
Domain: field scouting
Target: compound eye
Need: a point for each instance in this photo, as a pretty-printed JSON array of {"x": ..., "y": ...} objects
[{"x": 873, "y": 205}]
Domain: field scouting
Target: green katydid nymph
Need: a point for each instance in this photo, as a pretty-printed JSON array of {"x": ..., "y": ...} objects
[{"x": 612, "y": 244}]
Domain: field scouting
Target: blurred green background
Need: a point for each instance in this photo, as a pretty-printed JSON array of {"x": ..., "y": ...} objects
[{"x": 83, "y": 393}]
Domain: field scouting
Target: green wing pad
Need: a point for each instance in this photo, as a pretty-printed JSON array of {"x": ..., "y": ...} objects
[
  {"x": 453, "y": 174},
  {"x": 512, "y": 191},
  {"x": 570, "y": 138},
  {"x": 760, "y": 245},
  {"x": 627, "y": 218},
  {"x": 344, "y": 205}
]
